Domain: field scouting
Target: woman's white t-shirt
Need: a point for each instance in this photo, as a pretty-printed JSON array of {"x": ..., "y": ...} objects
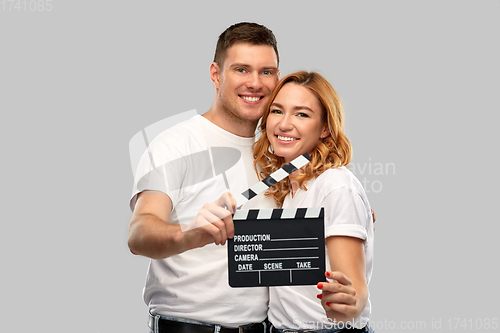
[{"x": 347, "y": 213}]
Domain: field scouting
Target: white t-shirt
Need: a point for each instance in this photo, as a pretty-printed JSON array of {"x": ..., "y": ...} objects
[
  {"x": 194, "y": 162},
  {"x": 347, "y": 213}
]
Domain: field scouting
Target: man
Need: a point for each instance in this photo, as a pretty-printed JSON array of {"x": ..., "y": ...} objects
[{"x": 187, "y": 286}]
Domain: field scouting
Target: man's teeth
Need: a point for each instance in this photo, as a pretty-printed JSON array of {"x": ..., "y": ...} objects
[
  {"x": 286, "y": 138},
  {"x": 250, "y": 99}
]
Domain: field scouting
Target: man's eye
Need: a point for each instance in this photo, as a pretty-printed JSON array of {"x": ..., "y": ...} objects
[
  {"x": 267, "y": 72},
  {"x": 240, "y": 70}
]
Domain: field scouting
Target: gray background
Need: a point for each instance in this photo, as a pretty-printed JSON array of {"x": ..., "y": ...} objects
[{"x": 419, "y": 81}]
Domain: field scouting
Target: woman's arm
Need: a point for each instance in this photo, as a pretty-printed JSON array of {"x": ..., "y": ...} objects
[{"x": 344, "y": 299}]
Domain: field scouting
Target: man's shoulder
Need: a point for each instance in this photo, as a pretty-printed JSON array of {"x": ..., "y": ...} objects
[
  {"x": 186, "y": 131},
  {"x": 184, "y": 137},
  {"x": 182, "y": 128}
]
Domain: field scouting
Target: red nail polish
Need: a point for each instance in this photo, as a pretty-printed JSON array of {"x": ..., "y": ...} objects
[
  {"x": 328, "y": 303},
  {"x": 320, "y": 286},
  {"x": 327, "y": 273},
  {"x": 320, "y": 296}
]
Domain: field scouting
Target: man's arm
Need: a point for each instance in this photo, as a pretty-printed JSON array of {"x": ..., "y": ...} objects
[{"x": 152, "y": 235}]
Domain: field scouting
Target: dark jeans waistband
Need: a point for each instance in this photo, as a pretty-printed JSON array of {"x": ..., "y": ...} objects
[{"x": 157, "y": 324}]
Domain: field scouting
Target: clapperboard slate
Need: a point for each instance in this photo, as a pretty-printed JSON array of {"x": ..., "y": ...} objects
[{"x": 277, "y": 247}]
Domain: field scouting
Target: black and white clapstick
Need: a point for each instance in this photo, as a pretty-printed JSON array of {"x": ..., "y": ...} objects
[
  {"x": 277, "y": 247},
  {"x": 275, "y": 177}
]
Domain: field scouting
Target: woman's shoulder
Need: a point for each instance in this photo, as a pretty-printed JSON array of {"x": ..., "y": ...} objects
[{"x": 336, "y": 177}]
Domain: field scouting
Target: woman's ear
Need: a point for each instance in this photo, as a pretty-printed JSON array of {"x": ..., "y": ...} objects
[{"x": 325, "y": 132}]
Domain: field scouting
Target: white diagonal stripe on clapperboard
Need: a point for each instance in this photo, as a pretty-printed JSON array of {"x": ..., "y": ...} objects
[{"x": 275, "y": 177}]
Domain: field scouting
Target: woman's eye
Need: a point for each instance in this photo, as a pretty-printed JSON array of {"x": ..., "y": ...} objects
[
  {"x": 302, "y": 114},
  {"x": 275, "y": 111}
]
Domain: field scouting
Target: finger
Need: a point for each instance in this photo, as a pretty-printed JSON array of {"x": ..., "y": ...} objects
[
  {"x": 212, "y": 225},
  {"x": 341, "y": 284},
  {"x": 335, "y": 287},
  {"x": 222, "y": 231},
  {"x": 216, "y": 210},
  {"x": 229, "y": 225},
  {"x": 198, "y": 222},
  {"x": 227, "y": 200},
  {"x": 213, "y": 213},
  {"x": 347, "y": 310},
  {"x": 233, "y": 202},
  {"x": 210, "y": 213},
  {"x": 223, "y": 220},
  {"x": 339, "y": 277},
  {"x": 340, "y": 298}
]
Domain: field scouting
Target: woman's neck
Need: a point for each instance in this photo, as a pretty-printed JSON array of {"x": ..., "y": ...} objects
[{"x": 294, "y": 183}]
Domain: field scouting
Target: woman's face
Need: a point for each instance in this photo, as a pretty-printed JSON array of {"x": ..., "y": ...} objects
[{"x": 295, "y": 123}]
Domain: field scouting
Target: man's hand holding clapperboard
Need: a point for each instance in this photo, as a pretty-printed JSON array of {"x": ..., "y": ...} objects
[{"x": 276, "y": 247}]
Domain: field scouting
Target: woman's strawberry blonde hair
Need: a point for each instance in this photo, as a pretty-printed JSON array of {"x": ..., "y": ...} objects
[{"x": 331, "y": 152}]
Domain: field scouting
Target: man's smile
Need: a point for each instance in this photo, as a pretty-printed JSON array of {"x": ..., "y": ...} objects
[{"x": 251, "y": 98}]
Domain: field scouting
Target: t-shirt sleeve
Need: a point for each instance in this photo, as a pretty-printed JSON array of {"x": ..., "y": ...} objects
[
  {"x": 345, "y": 213},
  {"x": 161, "y": 168}
]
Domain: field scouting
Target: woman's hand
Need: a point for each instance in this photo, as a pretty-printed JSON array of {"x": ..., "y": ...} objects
[{"x": 338, "y": 297}]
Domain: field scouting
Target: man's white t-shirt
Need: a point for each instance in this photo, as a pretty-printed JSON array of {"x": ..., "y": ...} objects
[{"x": 195, "y": 162}]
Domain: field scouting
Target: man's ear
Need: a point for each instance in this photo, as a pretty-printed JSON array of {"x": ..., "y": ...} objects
[
  {"x": 278, "y": 75},
  {"x": 215, "y": 74}
]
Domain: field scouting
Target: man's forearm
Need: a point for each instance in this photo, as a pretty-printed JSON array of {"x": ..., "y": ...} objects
[{"x": 152, "y": 237}]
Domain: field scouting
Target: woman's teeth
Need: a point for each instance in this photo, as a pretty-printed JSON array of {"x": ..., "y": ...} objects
[{"x": 286, "y": 138}]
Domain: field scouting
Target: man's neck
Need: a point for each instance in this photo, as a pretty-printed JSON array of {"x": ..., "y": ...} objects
[{"x": 230, "y": 124}]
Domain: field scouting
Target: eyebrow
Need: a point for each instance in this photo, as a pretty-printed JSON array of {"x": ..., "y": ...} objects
[
  {"x": 247, "y": 65},
  {"x": 298, "y": 107}
]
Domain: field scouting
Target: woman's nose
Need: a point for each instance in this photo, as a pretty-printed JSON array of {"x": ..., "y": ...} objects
[{"x": 286, "y": 123}]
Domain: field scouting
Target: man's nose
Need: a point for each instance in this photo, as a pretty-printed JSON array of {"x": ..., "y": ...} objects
[{"x": 254, "y": 81}]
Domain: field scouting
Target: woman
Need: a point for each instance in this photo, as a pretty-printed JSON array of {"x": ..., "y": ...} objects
[{"x": 305, "y": 115}]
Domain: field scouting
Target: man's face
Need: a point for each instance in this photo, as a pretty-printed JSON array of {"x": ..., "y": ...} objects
[{"x": 249, "y": 75}]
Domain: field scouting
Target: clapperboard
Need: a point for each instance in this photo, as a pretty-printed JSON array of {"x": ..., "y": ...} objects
[{"x": 276, "y": 247}]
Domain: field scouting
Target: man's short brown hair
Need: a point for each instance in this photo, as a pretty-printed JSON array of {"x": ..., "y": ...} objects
[{"x": 244, "y": 32}]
